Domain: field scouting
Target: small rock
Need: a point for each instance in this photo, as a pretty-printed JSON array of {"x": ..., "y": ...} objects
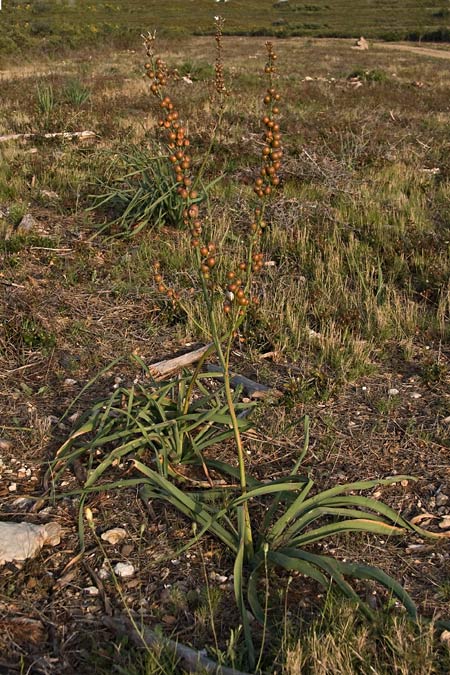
[
  {"x": 103, "y": 572},
  {"x": 445, "y": 637},
  {"x": 416, "y": 395},
  {"x": 12, "y": 487},
  {"x": 124, "y": 570},
  {"x": 393, "y": 392},
  {"x": 220, "y": 578},
  {"x": 361, "y": 44},
  {"x": 114, "y": 536},
  {"x": 50, "y": 194},
  {"x": 22, "y": 503},
  {"x": 6, "y": 445},
  {"x": 28, "y": 223},
  {"x": 91, "y": 590},
  {"x": 441, "y": 499},
  {"x": 404, "y": 483},
  {"x": 445, "y": 523},
  {"x": 69, "y": 382}
]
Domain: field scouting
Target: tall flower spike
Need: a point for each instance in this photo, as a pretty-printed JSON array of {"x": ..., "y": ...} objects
[
  {"x": 177, "y": 142},
  {"x": 219, "y": 82}
]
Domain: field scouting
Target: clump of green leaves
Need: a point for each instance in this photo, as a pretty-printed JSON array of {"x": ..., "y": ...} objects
[
  {"x": 76, "y": 94},
  {"x": 139, "y": 192}
]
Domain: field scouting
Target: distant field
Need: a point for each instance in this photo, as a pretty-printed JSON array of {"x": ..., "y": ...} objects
[{"x": 57, "y": 24}]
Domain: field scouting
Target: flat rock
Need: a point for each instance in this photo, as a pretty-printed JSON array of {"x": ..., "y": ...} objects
[
  {"x": 114, "y": 536},
  {"x": 20, "y": 541}
]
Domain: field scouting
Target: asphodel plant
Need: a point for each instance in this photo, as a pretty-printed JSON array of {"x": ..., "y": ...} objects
[{"x": 237, "y": 284}]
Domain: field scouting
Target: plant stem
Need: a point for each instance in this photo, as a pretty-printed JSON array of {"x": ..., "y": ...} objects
[{"x": 224, "y": 360}]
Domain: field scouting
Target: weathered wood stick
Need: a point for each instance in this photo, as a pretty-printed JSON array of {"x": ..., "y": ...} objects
[
  {"x": 162, "y": 369},
  {"x": 145, "y": 638},
  {"x": 60, "y": 134},
  {"x": 250, "y": 387}
]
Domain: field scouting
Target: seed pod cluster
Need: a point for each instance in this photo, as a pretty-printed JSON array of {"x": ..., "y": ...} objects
[
  {"x": 272, "y": 151},
  {"x": 177, "y": 143},
  {"x": 235, "y": 293},
  {"x": 170, "y": 293}
]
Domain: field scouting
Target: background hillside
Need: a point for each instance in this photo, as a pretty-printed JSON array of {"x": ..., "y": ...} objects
[{"x": 57, "y": 24}]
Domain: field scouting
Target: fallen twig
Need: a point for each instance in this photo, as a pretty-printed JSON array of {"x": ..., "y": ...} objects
[
  {"x": 162, "y": 369},
  {"x": 83, "y": 135},
  {"x": 144, "y": 638}
]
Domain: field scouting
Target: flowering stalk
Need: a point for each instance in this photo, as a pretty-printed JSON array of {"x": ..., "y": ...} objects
[{"x": 239, "y": 281}]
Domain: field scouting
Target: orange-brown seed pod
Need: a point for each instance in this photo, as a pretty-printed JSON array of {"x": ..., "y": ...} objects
[
  {"x": 204, "y": 251},
  {"x": 211, "y": 261}
]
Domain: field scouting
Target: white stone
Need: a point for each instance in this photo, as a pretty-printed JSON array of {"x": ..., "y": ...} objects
[
  {"x": 416, "y": 394},
  {"x": 103, "y": 572},
  {"x": 91, "y": 590},
  {"x": 393, "y": 392},
  {"x": 20, "y": 541},
  {"x": 124, "y": 570},
  {"x": 445, "y": 523}
]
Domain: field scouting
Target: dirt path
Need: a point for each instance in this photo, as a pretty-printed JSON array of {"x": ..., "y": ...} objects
[{"x": 423, "y": 51}]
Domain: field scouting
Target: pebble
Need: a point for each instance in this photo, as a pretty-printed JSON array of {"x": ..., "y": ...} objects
[
  {"x": 103, "y": 572},
  {"x": 114, "y": 536},
  {"x": 91, "y": 590},
  {"x": 69, "y": 382},
  {"x": 393, "y": 392},
  {"x": 445, "y": 523},
  {"x": 22, "y": 503},
  {"x": 445, "y": 637},
  {"x": 12, "y": 487},
  {"x": 441, "y": 499},
  {"x": 416, "y": 394},
  {"x": 124, "y": 570}
]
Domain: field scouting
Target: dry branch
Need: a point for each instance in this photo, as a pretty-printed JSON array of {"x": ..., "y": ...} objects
[
  {"x": 250, "y": 387},
  {"x": 163, "y": 369},
  {"x": 83, "y": 135},
  {"x": 145, "y": 638}
]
